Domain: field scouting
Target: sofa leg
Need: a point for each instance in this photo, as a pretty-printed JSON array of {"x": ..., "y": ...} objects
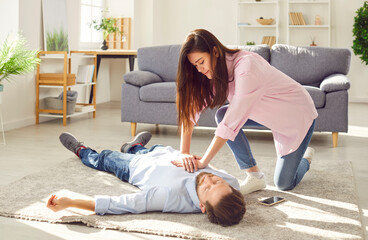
[
  {"x": 133, "y": 127},
  {"x": 335, "y": 136}
]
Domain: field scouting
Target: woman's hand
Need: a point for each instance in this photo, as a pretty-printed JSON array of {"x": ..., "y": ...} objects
[
  {"x": 57, "y": 204},
  {"x": 190, "y": 163}
]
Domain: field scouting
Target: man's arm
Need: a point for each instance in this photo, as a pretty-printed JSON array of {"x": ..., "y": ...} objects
[
  {"x": 153, "y": 199},
  {"x": 57, "y": 204}
]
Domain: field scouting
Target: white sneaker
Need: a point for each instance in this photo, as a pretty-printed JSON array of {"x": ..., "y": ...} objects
[
  {"x": 309, "y": 153},
  {"x": 252, "y": 184}
]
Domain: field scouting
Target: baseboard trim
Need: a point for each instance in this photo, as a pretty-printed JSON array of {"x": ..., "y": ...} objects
[
  {"x": 23, "y": 123},
  {"x": 358, "y": 100}
]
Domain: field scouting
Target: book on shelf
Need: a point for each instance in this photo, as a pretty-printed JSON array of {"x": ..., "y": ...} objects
[
  {"x": 85, "y": 73},
  {"x": 296, "y": 18},
  {"x": 84, "y": 108},
  {"x": 269, "y": 40},
  {"x": 301, "y": 18}
]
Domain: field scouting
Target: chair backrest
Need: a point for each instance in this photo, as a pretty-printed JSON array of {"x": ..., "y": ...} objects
[
  {"x": 310, "y": 65},
  {"x": 161, "y": 60}
]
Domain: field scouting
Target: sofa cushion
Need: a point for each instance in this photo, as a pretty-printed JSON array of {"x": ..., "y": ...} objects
[
  {"x": 161, "y": 60},
  {"x": 141, "y": 78},
  {"x": 158, "y": 92},
  {"x": 318, "y": 96},
  {"x": 335, "y": 82},
  {"x": 263, "y": 50},
  {"x": 310, "y": 65}
]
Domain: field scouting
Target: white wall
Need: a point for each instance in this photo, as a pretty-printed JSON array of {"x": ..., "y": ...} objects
[{"x": 155, "y": 22}]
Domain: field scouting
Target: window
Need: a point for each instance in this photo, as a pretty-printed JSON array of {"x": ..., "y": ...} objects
[{"x": 90, "y": 10}]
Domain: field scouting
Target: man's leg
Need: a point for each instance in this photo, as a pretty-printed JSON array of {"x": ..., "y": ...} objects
[
  {"x": 290, "y": 169},
  {"x": 109, "y": 161},
  {"x": 141, "y": 139},
  {"x": 138, "y": 149}
]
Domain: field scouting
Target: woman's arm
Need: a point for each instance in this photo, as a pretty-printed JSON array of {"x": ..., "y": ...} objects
[
  {"x": 57, "y": 204},
  {"x": 215, "y": 146},
  {"x": 195, "y": 163},
  {"x": 185, "y": 139}
]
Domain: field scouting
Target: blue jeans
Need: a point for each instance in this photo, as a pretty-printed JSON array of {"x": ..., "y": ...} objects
[
  {"x": 289, "y": 170},
  {"x": 113, "y": 161}
]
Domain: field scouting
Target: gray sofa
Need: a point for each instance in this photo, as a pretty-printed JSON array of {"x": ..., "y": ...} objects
[{"x": 149, "y": 94}]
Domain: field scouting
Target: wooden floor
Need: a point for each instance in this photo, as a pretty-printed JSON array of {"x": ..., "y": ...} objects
[{"x": 37, "y": 147}]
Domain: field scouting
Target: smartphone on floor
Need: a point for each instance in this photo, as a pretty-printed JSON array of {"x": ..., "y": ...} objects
[{"x": 271, "y": 201}]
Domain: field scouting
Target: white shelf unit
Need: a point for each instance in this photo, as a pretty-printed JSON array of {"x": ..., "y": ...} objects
[
  {"x": 303, "y": 35},
  {"x": 248, "y": 29}
]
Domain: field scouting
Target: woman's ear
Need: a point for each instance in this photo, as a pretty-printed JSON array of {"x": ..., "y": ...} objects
[{"x": 216, "y": 51}]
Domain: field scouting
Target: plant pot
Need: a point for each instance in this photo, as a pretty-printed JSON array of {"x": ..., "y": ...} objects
[
  {"x": 104, "y": 46},
  {"x": 1, "y": 87}
]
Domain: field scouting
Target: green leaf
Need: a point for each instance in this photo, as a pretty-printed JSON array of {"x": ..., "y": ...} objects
[
  {"x": 360, "y": 33},
  {"x": 106, "y": 25},
  {"x": 16, "y": 58}
]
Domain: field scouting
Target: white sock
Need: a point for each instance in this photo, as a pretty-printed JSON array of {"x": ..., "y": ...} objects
[{"x": 258, "y": 175}]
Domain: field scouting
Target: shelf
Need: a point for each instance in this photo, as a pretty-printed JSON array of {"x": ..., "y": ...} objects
[
  {"x": 255, "y": 26},
  {"x": 249, "y": 11},
  {"x": 62, "y": 81},
  {"x": 300, "y": 34},
  {"x": 260, "y": 3},
  {"x": 67, "y": 116},
  {"x": 309, "y": 26},
  {"x": 75, "y": 85},
  {"x": 309, "y": 2}
]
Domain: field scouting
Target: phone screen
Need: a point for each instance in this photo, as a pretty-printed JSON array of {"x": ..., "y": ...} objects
[{"x": 272, "y": 200}]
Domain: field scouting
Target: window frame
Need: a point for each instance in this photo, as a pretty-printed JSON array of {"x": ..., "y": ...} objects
[{"x": 90, "y": 44}]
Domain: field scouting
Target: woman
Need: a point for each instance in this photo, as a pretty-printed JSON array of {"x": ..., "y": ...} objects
[{"x": 208, "y": 75}]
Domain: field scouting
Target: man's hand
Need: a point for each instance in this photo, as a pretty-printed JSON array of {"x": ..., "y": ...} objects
[
  {"x": 57, "y": 204},
  {"x": 190, "y": 163}
]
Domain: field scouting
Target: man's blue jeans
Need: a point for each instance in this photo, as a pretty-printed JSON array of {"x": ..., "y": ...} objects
[
  {"x": 289, "y": 170},
  {"x": 112, "y": 161}
]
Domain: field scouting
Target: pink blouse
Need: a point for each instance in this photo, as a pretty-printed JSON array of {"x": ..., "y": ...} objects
[{"x": 260, "y": 92}]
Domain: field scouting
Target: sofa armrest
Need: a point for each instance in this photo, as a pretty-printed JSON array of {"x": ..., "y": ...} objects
[
  {"x": 335, "y": 82},
  {"x": 141, "y": 78}
]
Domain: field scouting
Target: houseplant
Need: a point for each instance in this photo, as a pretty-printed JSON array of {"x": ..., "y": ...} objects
[
  {"x": 360, "y": 33},
  {"x": 107, "y": 26},
  {"x": 16, "y": 59}
]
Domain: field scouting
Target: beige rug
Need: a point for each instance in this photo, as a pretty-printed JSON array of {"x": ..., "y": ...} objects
[{"x": 323, "y": 206}]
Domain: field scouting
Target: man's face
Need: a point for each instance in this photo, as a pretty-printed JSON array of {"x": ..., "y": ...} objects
[{"x": 211, "y": 188}]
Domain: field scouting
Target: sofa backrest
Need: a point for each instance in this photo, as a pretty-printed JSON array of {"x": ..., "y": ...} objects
[
  {"x": 263, "y": 50},
  {"x": 310, "y": 65},
  {"x": 161, "y": 60}
]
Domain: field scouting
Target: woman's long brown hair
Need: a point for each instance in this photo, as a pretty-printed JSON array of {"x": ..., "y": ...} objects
[{"x": 194, "y": 90}]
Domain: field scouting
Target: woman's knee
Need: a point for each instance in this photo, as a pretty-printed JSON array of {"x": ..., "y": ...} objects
[
  {"x": 283, "y": 184},
  {"x": 220, "y": 113}
]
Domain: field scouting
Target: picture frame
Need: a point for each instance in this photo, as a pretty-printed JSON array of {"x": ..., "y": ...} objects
[{"x": 55, "y": 25}]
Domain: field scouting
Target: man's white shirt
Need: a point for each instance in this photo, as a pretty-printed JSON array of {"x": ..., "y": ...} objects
[{"x": 165, "y": 187}]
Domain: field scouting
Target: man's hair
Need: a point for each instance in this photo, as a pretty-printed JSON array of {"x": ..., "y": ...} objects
[{"x": 228, "y": 211}]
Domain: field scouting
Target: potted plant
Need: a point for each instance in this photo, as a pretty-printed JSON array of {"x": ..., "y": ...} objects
[
  {"x": 107, "y": 26},
  {"x": 360, "y": 32},
  {"x": 16, "y": 59}
]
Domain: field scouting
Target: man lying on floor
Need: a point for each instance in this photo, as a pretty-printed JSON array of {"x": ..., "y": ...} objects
[{"x": 164, "y": 187}]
